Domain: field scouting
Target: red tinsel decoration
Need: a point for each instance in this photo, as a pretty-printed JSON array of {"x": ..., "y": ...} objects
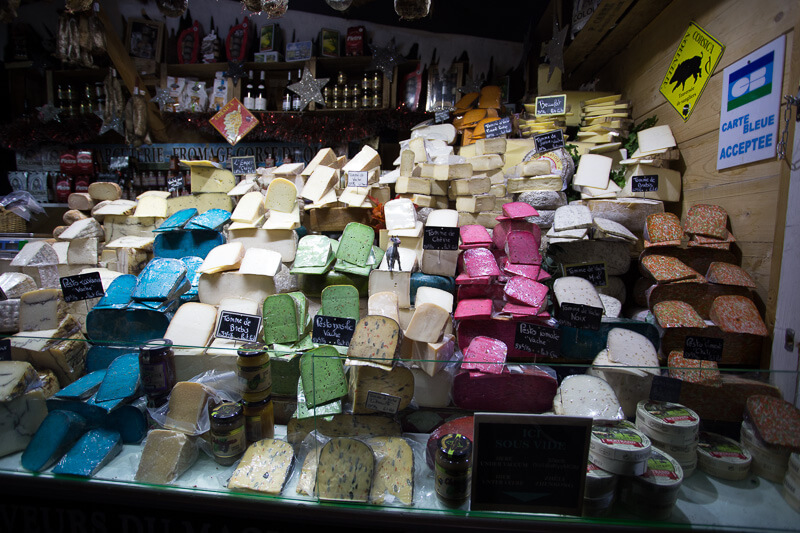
[{"x": 27, "y": 132}]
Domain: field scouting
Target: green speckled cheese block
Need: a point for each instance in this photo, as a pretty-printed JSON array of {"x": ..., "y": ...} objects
[
  {"x": 280, "y": 319},
  {"x": 356, "y": 243},
  {"x": 264, "y": 467},
  {"x": 301, "y": 310},
  {"x": 349, "y": 268},
  {"x": 375, "y": 342},
  {"x": 333, "y": 407},
  {"x": 313, "y": 251},
  {"x": 342, "y": 426},
  {"x": 345, "y": 471},
  {"x": 708, "y": 220},
  {"x": 660, "y": 227},
  {"x": 313, "y": 285},
  {"x": 340, "y": 301},
  {"x": 285, "y": 370},
  {"x": 394, "y": 471},
  {"x": 398, "y": 381},
  {"x": 322, "y": 374}
]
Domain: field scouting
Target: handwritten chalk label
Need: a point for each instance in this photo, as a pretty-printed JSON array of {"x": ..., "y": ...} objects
[
  {"x": 357, "y": 178},
  {"x": 536, "y": 339},
  {"x": 238, "y": 326},
  {"x": 5, "y": 350},
  {"x": 333, "y": 330},
  {"x": 547, "y": 142},
  {"x": 702, "y": 348},
  {"x": 82, "y": 287},
  {"x": 380, "y": 401},
  {"x": 551, "y": 105},
  {"x": 442, "y": 115},
  {"x": 440, "y": 238},
  {"x": 579, "y": 316},
  {"x": 644, "y": 183},
  {"x": 245, "y": 164},
  {"x": 174, "y": 183},
  {"x": 593, "y": 272},
  {"x": 497, "y": 128},
  {"x": 665, "y": 389}
]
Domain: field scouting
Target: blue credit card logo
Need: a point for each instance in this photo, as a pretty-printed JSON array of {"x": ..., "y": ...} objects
[{"x": 751, "y": 82}]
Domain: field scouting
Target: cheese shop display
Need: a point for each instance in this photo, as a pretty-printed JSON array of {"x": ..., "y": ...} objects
[{"x": 321, "y": 331}]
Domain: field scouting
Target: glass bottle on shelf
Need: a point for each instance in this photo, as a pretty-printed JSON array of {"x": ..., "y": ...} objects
[
  {"x": 287, "y": 94},
  {"x": 346, "y": 97},
  {"x": 261, "y": 93},
  {"x": 326, "y": 95},
  {"x": 296, "y": 97},
  {"x": 355, "y": 94},
  {"x": 70, "y": 99},
  {"x": 249, "y": 94},
  {"x": 61, "y": 100},
  {"x": 100, "y": 97}
]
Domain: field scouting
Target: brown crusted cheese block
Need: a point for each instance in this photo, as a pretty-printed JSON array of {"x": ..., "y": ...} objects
[
  {"x": 737, "y": 314},
  {"x": 661, "y": 227},
  {"x": 677, "y": 314},
  {"x": 693, "y": 370},
  {"x": 666, "y": 269},
  {"x": 708, "y": 220},
  {"x": 80, "y": 201},
  {"x": 105, "y": 190},
  {"x": 728, "y": 274},
  {"x": 73, "y": 215}
]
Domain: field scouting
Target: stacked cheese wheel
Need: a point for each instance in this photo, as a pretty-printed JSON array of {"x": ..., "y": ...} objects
[{"x": 673, "y": 428}]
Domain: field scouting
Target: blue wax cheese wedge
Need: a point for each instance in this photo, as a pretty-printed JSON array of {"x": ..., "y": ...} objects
[
  {"x": 95, "y": 449},
  {"x": 118, "y": 294},
  {"x": 265, "y": 467},
  {"x": 394, "y": 470},
  {"x": 375, "y": 342},
  {"x": 213, "y": 219},
  {"x": 179, "y": 243},
  {"x": 322, "y": 375},
  {"x": 177, "y": 221},
  {"x": 129, "y": 421},
  {"x": 99, "y": 357},
  {"x": 84, "y": 387},
  {"x": 193, "y": 275},
  {"x": 122, "y": 379},
  {"x": 165, "y": 456},
  {"x": 19, "y": 420},
  {"x": 355, "y": 244},
  {"x": 59, "y": 431},
  {"x": 340, "y": 301},
  {"x": 345, "y": 471},
  {"x": 160, "y": 279},
  {"x": 333, "y": 407}
]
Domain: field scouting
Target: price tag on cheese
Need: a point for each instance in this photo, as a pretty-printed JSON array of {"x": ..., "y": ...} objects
[
  {"x": 645, "y": 183},
  {"x": 333, "y": 330},
  {"x": 5, "y": 350},
  {"x": 174, "y": 183},
  {"x": 357, "y": 178},
  {"x": 551, "y": 105},
  {"x": 442, "y": 115},
  {"x": 702, "y": 348},
  {"x": 497, "y": 128},
  {"x": 243, "y": 165},
  {"x": 579, "y": 316},
  {"x": 536, "y": 339},
  {"x": 547, "y": 142},
  {"x": 238, "y": 326},
  {"x": 593, "y": 272},
  {"x": 440, "y": 238},
  {"x": 82, "y": 287},
  {"x": 385, "y": 403}
]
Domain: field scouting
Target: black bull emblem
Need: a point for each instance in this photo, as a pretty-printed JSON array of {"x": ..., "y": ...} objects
[{"x": 687, "y": 69}]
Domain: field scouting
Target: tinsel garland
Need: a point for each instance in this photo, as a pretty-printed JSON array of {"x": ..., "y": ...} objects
[
  {"x": 325, "y": 128},
  {"x": 28, "y": 132}
]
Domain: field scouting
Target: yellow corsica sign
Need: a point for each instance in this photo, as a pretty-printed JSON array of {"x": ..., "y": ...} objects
[{"x": 688, "y": 74}]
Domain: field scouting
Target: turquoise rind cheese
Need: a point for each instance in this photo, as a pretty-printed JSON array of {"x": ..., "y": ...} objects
[
  {"x": 160, "y": 279},
  {"x": 94, "y": 450},
  {"x": 59, "y": 431},
  {"x": 179, "y": 244},
  {"x": 84, "y": 387},
  {"x": 213, "y": 219},
  {"x": 118, "y": 294},
  {"x": 130, "y": 327},
  {"x": 177, "y": 220},
  {"x": 122, "y": 379}
]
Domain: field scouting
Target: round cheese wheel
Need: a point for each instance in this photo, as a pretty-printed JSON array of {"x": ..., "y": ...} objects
[
  {"x": 670, "y": 423},
  {"x": 620, "y": 448},
  {"x": 722, "y": 457}
]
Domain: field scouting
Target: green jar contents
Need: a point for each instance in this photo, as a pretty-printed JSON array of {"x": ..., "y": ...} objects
[
  {"x": 453, "y": 469},
  {"x": 228, "y": 437},
  {"x": 157, "y": 368},
  {"x": 254, "y": 369},
  {"x": 259, "y": 420}
]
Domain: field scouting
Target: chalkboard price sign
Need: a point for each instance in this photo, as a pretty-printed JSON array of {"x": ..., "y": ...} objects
[
  {"x": 547, "y": 142},
  {"x": 665, "y": 389},
  {"x": 333, "y": 330},
  {"x": 357, "y": 178},
  {"x": 5, "y": 350},
  {"x": 537, "y": 339},
  {"x": 174, "y": 183},
  {"x": 440, "y": 238},
  {"x": 580, "y": 316},
  {"x": 593, "y": 272},
  {"x": 551, "y": 105},
  {"x": 703, "y": 348},
  {"x": 238, "y": 326},
  {"x": 245, "y": 164},
  {"x": 644, "y": 183},
  {"x": 82, "y": 287},
  {"x": 529, "y": 463},
  {"x": 497, "y": 127},
  {"x": 442, "y": 115}
]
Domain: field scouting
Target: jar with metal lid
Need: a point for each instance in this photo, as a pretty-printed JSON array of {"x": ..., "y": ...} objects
[
  {"x": 157, "y": 369},
  {"x": 346, "y": 96},
  {"x": 453, "y": 469},
  {"x": 326, "y": 95},
  {"x": 228, "y": 437},
  {"x": 341, "y": 78},
  {"x": 366, "y": 82},
  {"x": 377, "y": 100},
  {"x": 377, "y": 81},
  {"x": 259, "y": 419},
  {"x": 254, "y": 368}
]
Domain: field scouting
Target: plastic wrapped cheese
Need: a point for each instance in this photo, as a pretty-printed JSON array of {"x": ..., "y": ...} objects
[{"x": 583, "y": 395}]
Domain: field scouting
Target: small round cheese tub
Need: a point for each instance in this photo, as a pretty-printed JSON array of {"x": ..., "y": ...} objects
[
  {"x": 653, "y": 494},
  {"x": 722, "y": 457},
  {"x": 688, "y": 468},
  {"x": 670, "y": 423},
  {"x": 791, "y": 486},
  {"x": 597, "y": 507},
  {"x": 683, "y": 454},
  {"x": 791, "y": 496},
  {"x": 794, "y": 466},
  {"x": 599, "y": 483},
  {"x": 769, "y": 462},
  {"x": 620, "y": 448}
]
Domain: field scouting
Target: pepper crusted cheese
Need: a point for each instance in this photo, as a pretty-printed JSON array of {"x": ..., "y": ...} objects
[
  {"x": 394, "y": 472},
  {"x": 398, "y": 381},
  {"x": 345, "y": 470},
  {"x": 374, "y": 342},
  {"x": 264, "y": 468}
]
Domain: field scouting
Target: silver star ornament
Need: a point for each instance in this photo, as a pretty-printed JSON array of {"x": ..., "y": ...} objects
[
  {"x": 161, "y": 98},
  {"x": 309, "y": 89},
  {"x": 115, "y": 123},
  {"x": 554, "y": 49},
  {"x": 49, "y": 112},
  {"x": 385, "y": 59}
]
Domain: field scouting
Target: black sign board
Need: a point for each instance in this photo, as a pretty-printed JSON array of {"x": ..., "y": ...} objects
[
  {"x": 579, "y": 316},
  {"x": 5, "y": 350},
  {"x": 245, "y": 164},
  {"x": 593, "y": 272},
  {"x": 644, "y": 183},
  {"x": 238, "y": 326},
  {"x": 440, "y": 238},
  {"x": 703, "y": 348},
  {"x": 442, "y": 115},
  {"x": 537, "y": 339},
  {"x": 174, "y": 183},
  {"x": 529, "y": 463},
  {"x": 551, "y": 105},
  {"x": 82, "y": 287},
  {"x": 497, "y": 128},
  {"x": 547, "y": 142},
  {"x": 380, "y": 401},
  {"x": 665, "y": 389},
  {"x": 333, "y": 330}
]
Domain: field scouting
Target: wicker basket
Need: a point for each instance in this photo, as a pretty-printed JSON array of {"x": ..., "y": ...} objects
[{"x": 11, "y": 222}]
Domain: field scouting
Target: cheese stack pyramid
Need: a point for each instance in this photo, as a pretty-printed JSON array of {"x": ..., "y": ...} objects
[
  {"x": 479, "y": 199},
  {"x": 657, "y": 147},
  {"x": 426, "y": 163},
  {"x": 530, "y": 124},
  {"x": 604, "y": 122},
  {"x": 474, "y": 110}
]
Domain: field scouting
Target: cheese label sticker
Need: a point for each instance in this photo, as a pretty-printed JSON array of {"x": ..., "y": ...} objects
[
  {"x": 690, "y": 70},
  {"x": 703, "y": 348},
  {"x": 357, "y": 178},
  {"x": 579, "y": 316},
  {"x": 497, "y": 128},
  {"x": 549, "y": 141},
  {"x": 537, "y": 339},
  {"x": 82, "y": 287},
  {"x": 441, "y": 115},
  {"x": 380, "y": 401},
  {"x": 238, "y": 326}
]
